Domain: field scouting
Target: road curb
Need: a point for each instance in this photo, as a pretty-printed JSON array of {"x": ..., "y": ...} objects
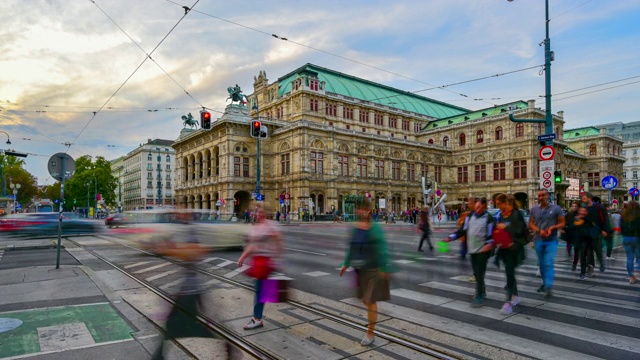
[{"x": 53, "y": 245}]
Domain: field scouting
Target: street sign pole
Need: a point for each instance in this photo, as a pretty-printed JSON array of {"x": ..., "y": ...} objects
[{"x": 63, "y": 160}]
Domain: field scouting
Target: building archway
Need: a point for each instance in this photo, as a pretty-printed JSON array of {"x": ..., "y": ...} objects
[
  {"x": 207, "y": 203},
  {"x": 320, "y": 204},
  {"x": 242, "y": 201}
]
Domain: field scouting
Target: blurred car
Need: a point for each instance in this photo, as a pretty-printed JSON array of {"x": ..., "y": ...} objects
[
  {"x": 44, "y": 224},
  {"x": 117, "y": 219}
]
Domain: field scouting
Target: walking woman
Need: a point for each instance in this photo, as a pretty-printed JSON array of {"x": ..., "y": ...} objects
[
  {"x": 265, "y": 247},
  {"x": 367, "y": 254},
  {"x": 425, "y": 229},
  {"x": 630, "y": 229},
  {"x": 512, "y": 222},
  {"x": 583, "y": 232}
]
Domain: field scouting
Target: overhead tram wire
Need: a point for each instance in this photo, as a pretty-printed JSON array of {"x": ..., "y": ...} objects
[
  {"x": 35, "y": 131},
  {"x": 323, "y": 51},
  {"x": 595, "y": 91},
  {"x": 134, "y": 71},
  {"x": 149, "y": 55}
]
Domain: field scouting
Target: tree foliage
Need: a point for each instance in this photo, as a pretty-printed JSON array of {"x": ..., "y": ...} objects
[
  {"x": 13, "y": 172},
  {"x": 90, "y": 177}
]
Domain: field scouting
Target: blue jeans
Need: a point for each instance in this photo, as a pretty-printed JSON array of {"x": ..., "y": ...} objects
[
  {"x": 546, "y": 251},
  {"x": 631, "y": 244},
  {"x": 258, "y": 308}
]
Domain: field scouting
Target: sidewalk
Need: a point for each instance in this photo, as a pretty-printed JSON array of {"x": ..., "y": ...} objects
[{"x": 76, "y": 311}]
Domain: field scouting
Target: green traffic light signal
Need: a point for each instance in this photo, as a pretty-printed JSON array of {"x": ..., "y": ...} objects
[{"x": 557, "y": 177}]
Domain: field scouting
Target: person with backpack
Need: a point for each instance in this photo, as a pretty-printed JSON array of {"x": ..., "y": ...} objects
[
  {"x": 425, "y": 229},
  {"x": 582, "y": 233},
  {"x": 572, "y": 240},
  {"x": 544, "y": 221},
  {"x": 512, "y": 227},
  {"x": 367, "y": 254},
  {"x": 478, "y": 230},
  {"x": 630, "y": 230}
]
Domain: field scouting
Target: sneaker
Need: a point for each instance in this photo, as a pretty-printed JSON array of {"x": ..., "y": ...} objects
[
  {"x": 601, "y": 267},
  {"x": 590, "y": 271},
  {"x": 478, "y": 301},
  {"x": 515, "y": 300},
  {"x": 472, "y": 279},
  {"x": 538, "y": 274},
  {"x": 420, "y": 250},
  {"x": 573, "y": 267},
  {"x": 366, "y": 341},
  {"x": 547, "y": 294},
  {"x": 632, "y": 280},
  {"x": 610, "y": 258},
  {"x": 540, "y": 289},
  {"x": 506, "y": 309},
  {"x": 253, "y": 324},
  {"x": 582, "y": 277}
]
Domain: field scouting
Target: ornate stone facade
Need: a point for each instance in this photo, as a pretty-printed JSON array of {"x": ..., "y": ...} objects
[{"x": 325, "y": 145}]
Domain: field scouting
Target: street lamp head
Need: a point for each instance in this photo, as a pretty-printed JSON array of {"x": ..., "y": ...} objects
[{"x": 8, "y": 142}]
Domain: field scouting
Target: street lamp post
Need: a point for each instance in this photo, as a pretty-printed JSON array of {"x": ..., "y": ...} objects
[
  {"x": 548, "y": 57},
  {"x": 15, "y": 188},
  {"x": 119, "y": 190}
]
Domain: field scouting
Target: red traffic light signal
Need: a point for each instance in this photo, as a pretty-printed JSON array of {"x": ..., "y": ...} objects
[
  {"x": 205, "y": 120},
  {"x": 255, "y": 128}
]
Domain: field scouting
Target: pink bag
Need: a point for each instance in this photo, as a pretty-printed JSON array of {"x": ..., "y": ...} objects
[{"x": 273, "y": 291}]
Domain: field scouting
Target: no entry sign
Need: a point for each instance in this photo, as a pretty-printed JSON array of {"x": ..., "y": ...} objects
[{"x": 547, "y": 152}]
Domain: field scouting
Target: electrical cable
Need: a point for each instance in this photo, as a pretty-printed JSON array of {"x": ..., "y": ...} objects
[
  {"x": 187, "y": 10},
  {"x": 557, "y": 16},
  {"x": 595, "y": 91}
]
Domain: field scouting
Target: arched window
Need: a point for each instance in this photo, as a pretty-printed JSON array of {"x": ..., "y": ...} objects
[
  {"x": 519, "y": 129},
  {"x": 499, "y": 133},
  {"x": 463, "y": 139},
  {"x": 445, "y": 141},
  {"x": 593, "y": 150},
  {"x": 479, "y": 137},
  {"x": 430, "y": 141}
]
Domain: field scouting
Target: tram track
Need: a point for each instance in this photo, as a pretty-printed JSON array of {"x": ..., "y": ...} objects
[{"x": 240, "y": 342}]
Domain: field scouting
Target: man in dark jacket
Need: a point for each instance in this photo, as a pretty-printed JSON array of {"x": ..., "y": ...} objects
[{"x": 597, "y": 217}]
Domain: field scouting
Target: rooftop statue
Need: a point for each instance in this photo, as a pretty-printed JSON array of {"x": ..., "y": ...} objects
[
  {"x": 189, "y": 120},
  {"x": 235, "y": 94}
]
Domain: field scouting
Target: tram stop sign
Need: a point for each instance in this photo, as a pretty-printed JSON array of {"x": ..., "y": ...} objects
[{"x": 55, "y": 166}]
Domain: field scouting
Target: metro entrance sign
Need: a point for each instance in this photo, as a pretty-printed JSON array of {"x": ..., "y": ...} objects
[{"x": 546, "y": 175}]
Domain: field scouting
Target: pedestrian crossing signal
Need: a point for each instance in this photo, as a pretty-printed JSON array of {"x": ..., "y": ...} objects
[{"x": 557, "y": 177}]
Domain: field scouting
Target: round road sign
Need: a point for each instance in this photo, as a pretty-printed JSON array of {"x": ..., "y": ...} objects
[
  {"x": 55, "y": 166},
  {"x": 546, "y": 175},
  {"x": 546, "y": 184},
  {"x": 634, "y": 191},
  {"x": 547, "y": 152}
]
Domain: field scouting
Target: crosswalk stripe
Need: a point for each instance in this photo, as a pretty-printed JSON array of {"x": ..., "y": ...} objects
[
  {"x": 509, "y": 342},
  {"x": 221, "y": 265},
  {"x": 420, "y": 296},
  {"x": 168, "y": 285},
  {"x": 155, "y": 267},
  {"x": 158, "y": 276},
  {"x": 209, "y": 259},
  {"x": 565, "y": 269},
  {"x": 470, "y": 291},
  {"x": 136, "y": 264},
  {"x": 235, "y": 272}
]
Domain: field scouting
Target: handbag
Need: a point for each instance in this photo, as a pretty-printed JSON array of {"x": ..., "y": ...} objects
[
  {"x": 502, "y": 238},
  {"x": 274, "y": 291},
  {"x": 261, "y": 267}
]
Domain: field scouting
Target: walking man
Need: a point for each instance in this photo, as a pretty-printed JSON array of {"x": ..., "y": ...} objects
[{"x": 544, "y": 221}]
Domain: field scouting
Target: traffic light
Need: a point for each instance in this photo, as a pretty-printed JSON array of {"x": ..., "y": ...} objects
[
  {"x": 557, "y": 176},
  {"x": 205, "y": 120},
  {"x": 255, "y": 128}
]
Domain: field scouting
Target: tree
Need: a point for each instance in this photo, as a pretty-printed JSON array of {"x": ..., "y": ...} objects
[
  {"x": 13, "y": 172},
  {"x": 89, "y": 177}
]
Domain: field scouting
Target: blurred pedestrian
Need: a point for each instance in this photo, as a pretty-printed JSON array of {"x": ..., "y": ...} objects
[
  {"x": 478, "y": 230},
  {"x": 367, "y": 253},
  {"x": 630, "y": 229},
  {"x": 545, "y": 219},
  {"x": 573, "y": 242},
  {"x": 511, "y": 221},
  {"x": 265, "y": 248},
  {"x": 424, "y": 227},
  {"x": 583, "y": 232},
  {"x": 595, "y": 216}
]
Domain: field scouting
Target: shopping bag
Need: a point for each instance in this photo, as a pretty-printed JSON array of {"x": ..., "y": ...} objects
[
  {"x": 273, "y": 291},
  {"x": 261, "y": 267},
  {"x": 502, "y": 238}
]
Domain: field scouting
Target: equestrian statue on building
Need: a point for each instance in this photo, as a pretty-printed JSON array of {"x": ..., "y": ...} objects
[
  {"x": 189, "y": 120},
  {"x": 235, "y": 94}
]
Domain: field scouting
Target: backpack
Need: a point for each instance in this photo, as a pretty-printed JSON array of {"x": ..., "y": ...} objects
[{"x": 363, "y": 254}]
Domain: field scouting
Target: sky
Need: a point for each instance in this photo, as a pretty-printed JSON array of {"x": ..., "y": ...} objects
[{"x": 75, "y": 75}]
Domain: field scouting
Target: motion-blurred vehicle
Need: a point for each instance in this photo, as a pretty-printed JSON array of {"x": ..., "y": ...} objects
[
  {"x": 117, "y": 219},
  {"x": 44, "y": 224}
]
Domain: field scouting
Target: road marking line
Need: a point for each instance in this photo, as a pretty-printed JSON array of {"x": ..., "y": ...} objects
[
  {"x": 308, "y": 252},
  {"x": 316, "y": 273},
  {"x": 166, "y": 273},
  {"x": 221, "y": 265},
  {"x": 403, "y": 261},
  {"x": 427, "y": 258},
  {"x": 236, "y": 271},
  {"x": 137, "y": 264},
  {"x": 152, "y": 268},
  {"x": 470, "y": 291},
  {"x": 349, "y": 269},
  {"x": 209, "y": 259},
  {"x": 420, "y": 296},
  {"x": 488, "y": 336},
  {"x": 168, "y": 285}
]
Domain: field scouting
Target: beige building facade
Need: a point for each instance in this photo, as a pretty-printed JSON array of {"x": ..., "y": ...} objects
[{"x": 335, "y": 139}]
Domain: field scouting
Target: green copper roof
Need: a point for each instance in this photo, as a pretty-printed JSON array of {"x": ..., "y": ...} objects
[
  {"x": 581, "y": 132},
  {"x": 571, "y": 151},
  {"x": 358, "y": 88},
  {"x": 473, "y": 115}
]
